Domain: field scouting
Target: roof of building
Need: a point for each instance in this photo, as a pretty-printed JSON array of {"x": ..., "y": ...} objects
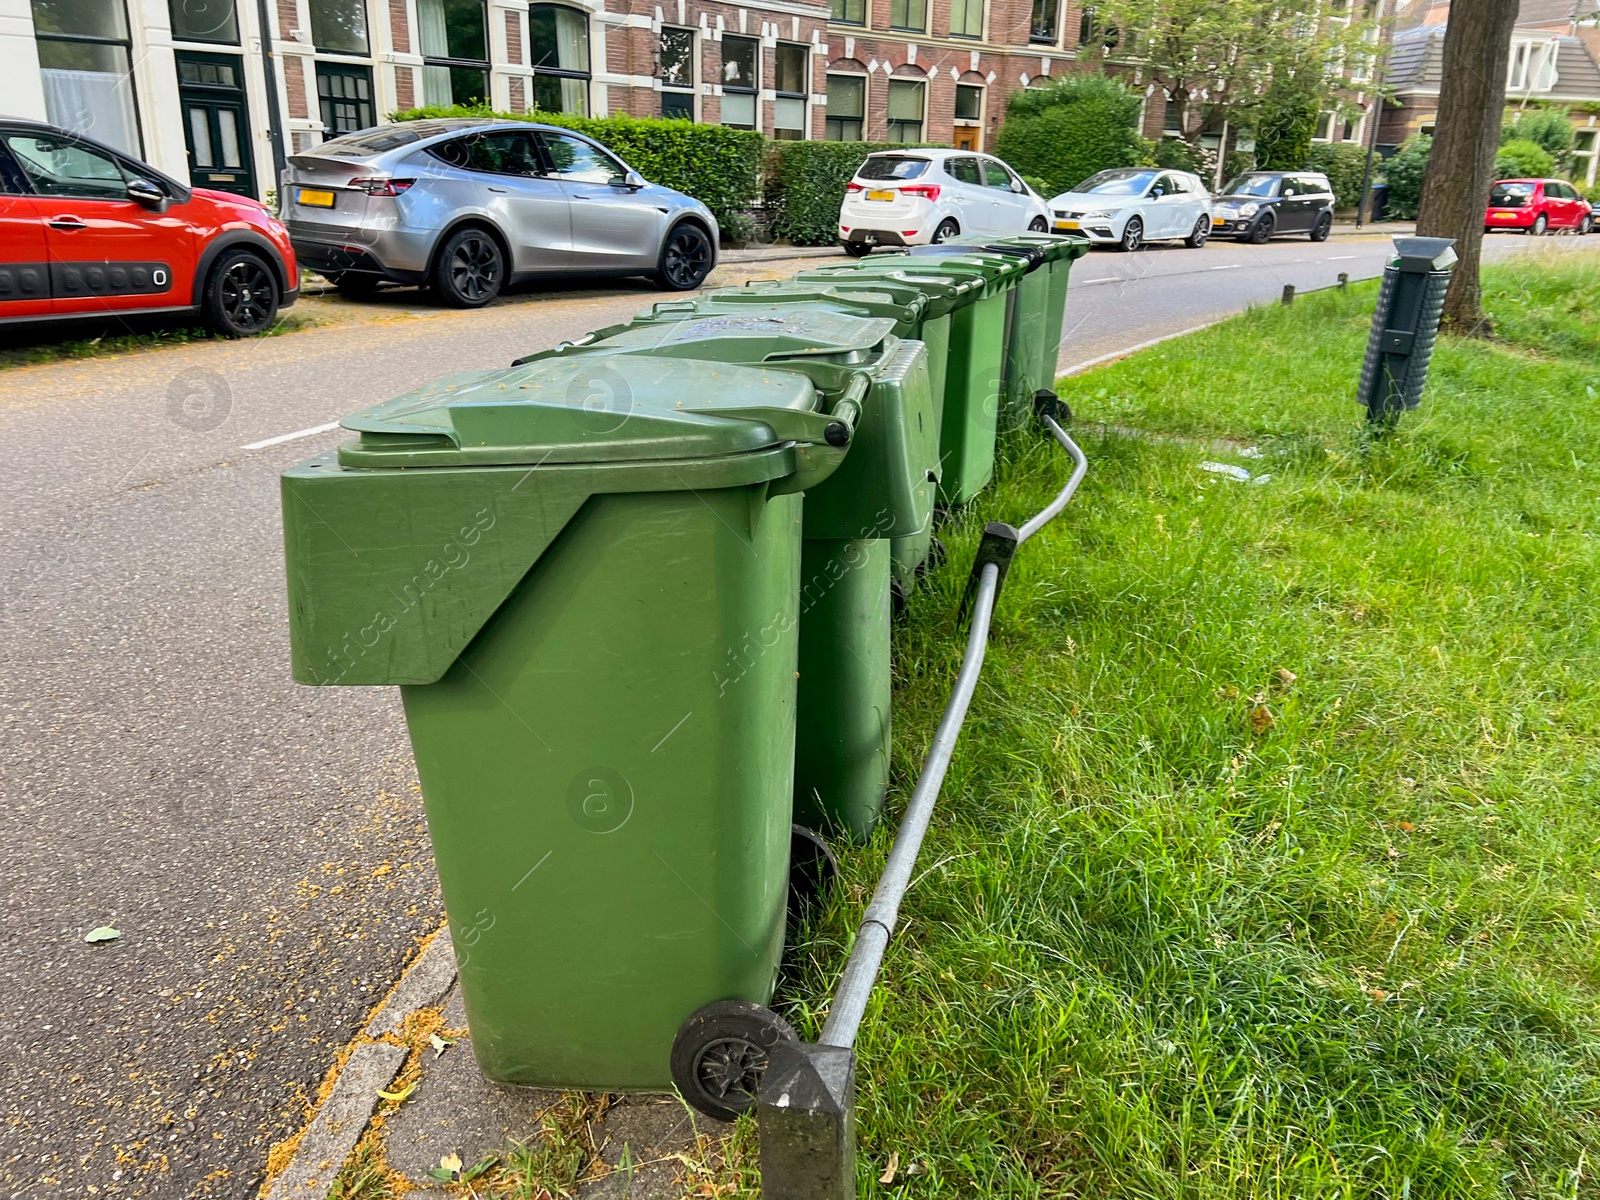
[{"x": 1417, "y": 62}]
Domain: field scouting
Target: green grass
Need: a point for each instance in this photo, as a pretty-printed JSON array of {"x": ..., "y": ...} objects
[
  {"x": 148, "y": 333},
  {"x": 1265, "y": 865}
]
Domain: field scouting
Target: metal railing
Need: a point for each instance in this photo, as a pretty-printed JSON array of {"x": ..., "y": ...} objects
[{"x": 807, "y": 1098}]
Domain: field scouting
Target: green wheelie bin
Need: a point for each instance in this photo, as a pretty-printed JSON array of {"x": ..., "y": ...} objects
[
  {"x": 884, "y": 490},
  {"x": 1059, "y": 251},
  {"x": 976, "y": 360},
  {"x": 585, "y": 579}
]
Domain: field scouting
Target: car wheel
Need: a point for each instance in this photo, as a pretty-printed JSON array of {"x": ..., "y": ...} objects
[
  {"x": 1586, "y": 226},
  {"x": 1540, "y": 224},
  {"x": 1038, "y": 225},
  {"x": 858, "y": 249},
  {"x": 470, "y": 270},
  {"x": 1262, "y": 231},
  {"x": 241, "y": 297},
  {"x": 1132, "y": 235},
  {"x": 1199, "y": 234},
  {"x": 1323, "y": 227},
  {"x": 947, "y": 229},
  {"x": 685, "y": 259}
]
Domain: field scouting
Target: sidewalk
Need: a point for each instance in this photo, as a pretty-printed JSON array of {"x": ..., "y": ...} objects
[{"x": 406, "y": 1105}]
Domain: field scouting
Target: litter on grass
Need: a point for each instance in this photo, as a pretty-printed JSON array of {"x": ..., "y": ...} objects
[{"x": 1233, "y": 472}]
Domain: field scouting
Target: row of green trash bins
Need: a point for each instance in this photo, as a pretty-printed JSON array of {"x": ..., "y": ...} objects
[{"x": 636, "y": 593}]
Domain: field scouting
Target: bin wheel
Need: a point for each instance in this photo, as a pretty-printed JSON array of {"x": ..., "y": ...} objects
[
  {"x": 721, "y": 1052},
  {"x": 813, "y": 867}
]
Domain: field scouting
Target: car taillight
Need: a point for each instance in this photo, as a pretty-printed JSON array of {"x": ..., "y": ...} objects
[
  {"x": 381, "y": 187},
  {"x": 929, "y": 191},
  {"x": 853, "y": 186}
]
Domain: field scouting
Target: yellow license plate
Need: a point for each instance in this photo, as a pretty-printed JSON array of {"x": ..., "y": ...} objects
[
  {"x": 314, "y": 198},
  {"x": 1505, "y": 216},
  {"x": 1068, "y": 225},
  {"x": 880, "y": 195},
  {"x": 1218, "y": 221}
]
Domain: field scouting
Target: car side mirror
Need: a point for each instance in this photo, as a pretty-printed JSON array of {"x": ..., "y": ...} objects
[
  {"x": 632, "y": 181},
  {"x": 142, "y": 191},
  {"x": 1019, "y": 187}
]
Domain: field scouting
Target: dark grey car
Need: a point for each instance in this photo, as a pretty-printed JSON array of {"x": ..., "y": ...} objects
[
  {"x": 1258, "y": 205},
  {"x": 466, "y": 206}
]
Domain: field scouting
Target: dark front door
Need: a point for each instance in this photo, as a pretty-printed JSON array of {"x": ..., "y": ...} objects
[
  {"x": 345, "y": 94},
  {"x": 215, "y": 122}
]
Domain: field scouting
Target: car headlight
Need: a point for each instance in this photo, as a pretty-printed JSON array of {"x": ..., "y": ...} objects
[
  {"x": 1249, "y": 210},
  {"x": 1097, "y": 215}
]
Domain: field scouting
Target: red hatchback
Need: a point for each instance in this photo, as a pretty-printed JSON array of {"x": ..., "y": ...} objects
[
  {"x": 1536, "y": 206},
  {"x": 86, "y": 231}
]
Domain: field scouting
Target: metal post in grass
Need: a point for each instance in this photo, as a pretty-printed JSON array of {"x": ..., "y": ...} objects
[
  {"x": 806, "y": 1103},
  {"x": 1405, "y": 326}
]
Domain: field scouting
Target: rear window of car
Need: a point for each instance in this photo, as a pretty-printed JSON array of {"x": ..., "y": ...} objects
[
  {"x": 892, "y": 166},
  {"x": 1510, "y": 195},
  {"x": 384, "y": 137}
]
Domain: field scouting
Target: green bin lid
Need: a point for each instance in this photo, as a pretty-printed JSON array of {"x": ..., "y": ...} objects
[
  {"x": 582, "y": 409},
  {"x": 943, "y": 293},
  {"x": 906, "y": 305},
  {"x": 1054, "y": 246},
  {"x": 775, "y": 330}
]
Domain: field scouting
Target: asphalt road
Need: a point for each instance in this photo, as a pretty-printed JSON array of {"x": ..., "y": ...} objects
[{"x": 259, "y": 845}]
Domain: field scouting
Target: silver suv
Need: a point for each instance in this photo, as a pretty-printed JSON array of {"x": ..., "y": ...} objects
[{"x": 466, "y": 206}]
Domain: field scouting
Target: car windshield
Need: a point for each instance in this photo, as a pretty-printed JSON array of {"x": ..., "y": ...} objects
[
  {"x": 1252, "y": 185},
  {"x": 1116, "y": 183},
  {"x": 892, "y": 166}
]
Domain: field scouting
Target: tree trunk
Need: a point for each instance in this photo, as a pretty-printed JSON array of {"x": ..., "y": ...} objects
[{"x": 1455, "y": 187}]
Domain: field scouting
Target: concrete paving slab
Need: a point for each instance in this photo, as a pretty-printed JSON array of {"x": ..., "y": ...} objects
[
  {"x": 339, "y": 1123},
  {"x": 421, "y": 986}
]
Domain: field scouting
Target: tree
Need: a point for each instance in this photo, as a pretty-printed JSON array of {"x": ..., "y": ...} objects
[
  {"x": 1455, "y": 187},
  {"x": 1285, "y": 123},
  {"x": 1216, "y": 60},
  {"x": 1067, "y": 131}
]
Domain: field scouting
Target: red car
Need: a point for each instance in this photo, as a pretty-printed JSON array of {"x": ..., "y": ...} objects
[
  {"x": 1536, "y": 206},
  {"x": 86, "y": 231}
]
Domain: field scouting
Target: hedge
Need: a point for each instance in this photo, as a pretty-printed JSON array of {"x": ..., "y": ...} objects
[
  {"x": 716, "y": 165},
  {"x": 1521, "y": 158},
  {"x": 1344, "y": 163},
  {"x": 1403, "y": 172},
  {"x": 1067, "y": 131},
  {"x": 804, "y": 183}
]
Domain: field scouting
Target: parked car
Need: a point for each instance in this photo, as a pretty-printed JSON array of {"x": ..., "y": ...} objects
[
  {"x": 88, "y": 231},
  {"x": 469, "y": 205},
  {"x": 1537, "y": 206},
  {"x": 919, "y": 197},
  {"x": 1259, "y": 205},
  {"x": 1130, "y": 206}
]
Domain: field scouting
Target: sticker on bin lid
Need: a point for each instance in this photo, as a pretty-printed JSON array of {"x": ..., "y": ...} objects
[
  {"x": 784, "y": 331},
  {"x": 587, "y": 409}
]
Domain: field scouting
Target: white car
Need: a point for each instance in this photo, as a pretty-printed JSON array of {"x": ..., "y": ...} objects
[
  {"x": 1130, "y": 206},
  {"x": 919, "y": 197}
]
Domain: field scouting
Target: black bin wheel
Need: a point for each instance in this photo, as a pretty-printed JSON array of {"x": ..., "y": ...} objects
[
  {"x": 721, "y": 1052},
  {"x": 812, "y": 869}
]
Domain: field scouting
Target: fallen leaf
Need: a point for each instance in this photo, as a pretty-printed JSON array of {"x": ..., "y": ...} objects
[
  {"x": 1286, "y": 676},
  {"x": 103, "y": 934},
  {"x": 1405, "y": 827},
  {"x": 916, "y": 1168},
  {"x": 894, "y": 1165},
  {"x": 1228, "y": 693},
  {"x": 451, "y": 1162},
  {"x": 1378, "y": 994},
  {"x": 1261, "y": 718},
  {"x": 400, "y": 1095},
  {"x": 439, "y": 1044}
]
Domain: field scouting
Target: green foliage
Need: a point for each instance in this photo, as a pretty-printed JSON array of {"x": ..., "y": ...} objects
[
  {"x": 1175, "y": 154},
  {"x": 716, "y": 165},
  {"x": 1037, "y": 184},
  {"x": 804, "y": 183},
  {"x": 1064, "y": 133},
  {"x": 1285, "y": 123},
  {"x": 1344, "y": 163},
  {"x": 1548, "y": 128},
  {"x": 1403, "y": 172},
  {"x": 1522, "y": 159}
]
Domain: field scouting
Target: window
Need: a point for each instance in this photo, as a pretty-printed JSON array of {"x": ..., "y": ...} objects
[
  {"x": 678, "y": 75},
  {"x": 85, "y": 69},
  {"x": 58, "y": 166},
  {"x": 1291, "y": 187},
  {"x": 910, "y": 15},
  {"x": 559, "y": 39},
  {"x": 740, "y": 61},
  {"x": 1091, "y": 30},
  {"x": 577, "y": 161},
  {"x": 969, "y": 102},
  {"x": 339, "y": 26},
  {"x": 995, "y": 175},
  {"x": 1324, "y": 129},
  {"x": 203, "y": 21},
  {"x": 905, "y": 110},
  {"x": 1533, "y": 66},
  {"x": 1585, "y": 149},
  {"x": 847, "y": 105},
  {"x": 964, "y": 170},
  {"x": 892, "y": 166},
  {"x": 1044, "y": 25},
  {"x": 455, "y": 53},
  {"x": 345, "y": 95},
  {"x": 966, "y": 18},
  {"x": 501, "y": 153},
  {"x": 792, "y": 82},
  {"x": 851, "y": 12}
]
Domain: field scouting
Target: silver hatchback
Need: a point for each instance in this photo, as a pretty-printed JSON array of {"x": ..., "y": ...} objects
[{"x": 466, "y": 206}]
